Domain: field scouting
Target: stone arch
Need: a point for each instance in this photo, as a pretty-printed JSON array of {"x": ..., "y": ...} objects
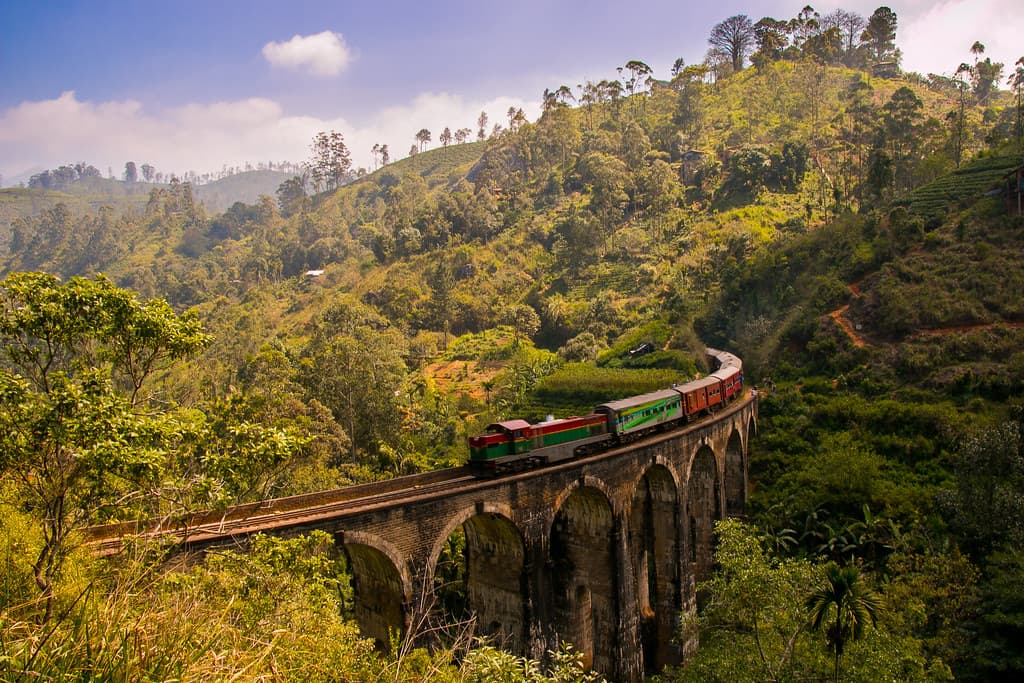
[
  {"x": 584, "y": 581},
  {"x": 654, "y": 545},
  {"x": 381, "y": 586},
  {"x": 703, "y": 507},
  {"x": 586, "y": 481},
  {"x": 735, "y": 476},
  {"x": 495, "y": 563}
]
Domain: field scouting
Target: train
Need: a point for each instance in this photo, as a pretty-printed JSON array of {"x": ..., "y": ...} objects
[{"x": 515, "y": 445}]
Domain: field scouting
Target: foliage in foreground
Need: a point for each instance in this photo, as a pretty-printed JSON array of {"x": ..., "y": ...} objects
[
  {"x": 275, "y": 611},
  {"x": 755, "y": 624}
]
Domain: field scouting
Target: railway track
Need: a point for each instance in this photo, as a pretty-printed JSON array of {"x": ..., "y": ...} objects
[
  {"x": 307, "y": 509},
  {"x": 281, "y": 513}
]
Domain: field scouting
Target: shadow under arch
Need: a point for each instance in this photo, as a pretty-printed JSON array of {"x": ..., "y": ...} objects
[
  {"x": 655, "y": 547},
  {"x": 381, "y": 586},
  {"x": 584, "y": 580},
  {"x": 735, "y": 476},
  {"x": 495, "y": 572},
  {"x": 703, "y": 507}
]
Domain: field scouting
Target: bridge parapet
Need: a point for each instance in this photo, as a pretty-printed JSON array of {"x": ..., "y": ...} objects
[{"x": 603, "y": 552}]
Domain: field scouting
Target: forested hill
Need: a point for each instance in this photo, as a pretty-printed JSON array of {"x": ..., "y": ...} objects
[
  {"x": 833, "y": 221},
  {"x": 246, "y": 187},
  {"x": 636, "y": 202},
  {"x": 92, "y": 193}
]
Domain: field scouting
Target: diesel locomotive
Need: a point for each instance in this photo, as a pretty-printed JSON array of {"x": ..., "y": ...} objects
[{"x": 515, "y": 445}]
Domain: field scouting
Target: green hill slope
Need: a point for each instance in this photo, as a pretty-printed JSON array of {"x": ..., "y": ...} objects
[{"x": 245, "y": 187}]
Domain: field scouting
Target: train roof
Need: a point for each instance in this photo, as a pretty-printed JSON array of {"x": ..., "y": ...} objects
[
  {"x": 724, "y": 358},
  {"x": 725, "y": 372},
  {"x": 508, "y": 426},
  {"x": 708, "y": 381},
  {"x": 632, "y": 401}
]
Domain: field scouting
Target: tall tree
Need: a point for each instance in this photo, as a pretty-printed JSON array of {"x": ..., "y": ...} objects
[
  {"x": 422, "y": 137},
  {"x": 147, "y": 172},
  {"x": 958, "y": 117},
  {"x": 331, "y": 164},
  {"x": 291, "y": 194},
  {"x": 442, "y": 303},
  {"x": 771, "y": 37},
  {"x": 70, "y": 443},
  {"x": 985, "y": 76},
  {"x": 385, "y": 155},
  {"x": 354, "y": 366},
  {"x": 516, "y": 118},
  {"x": 754, "y": 617},
  {"x": 850, "y": 24},
  {"x": 879, "y": 36},
  {"x": 690, "y": 108},
  {"x": 987, "y": 507},
  {"x": 734, "y": 36},
  {"x": 842, "y": 608},
  {"x": 901, "y": 122},
  {"x": 1016, "y": 82},
  {"x": 131, "y": 173},
  {"x": 481, "y": 125},
  {"x": 445, "y": 138},
  {"x": 805, "y": 26},
  {"x": 977, "y": 49},
  {"x": 640, "y": 76},
  {"x": 523, "y": 320}
]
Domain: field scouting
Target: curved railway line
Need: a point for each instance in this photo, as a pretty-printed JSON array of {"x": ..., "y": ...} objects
[
  {"x": 306, "y": 510},
  {"x": 281, "y": 513}
]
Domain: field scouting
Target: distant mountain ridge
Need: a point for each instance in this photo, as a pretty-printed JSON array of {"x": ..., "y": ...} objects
[
  {"x": 245, "y": 187},
  {"x": 89, "y": 194}
]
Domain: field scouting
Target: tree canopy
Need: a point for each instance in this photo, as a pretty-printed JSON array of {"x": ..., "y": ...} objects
[{"x": 734, "y": 36}]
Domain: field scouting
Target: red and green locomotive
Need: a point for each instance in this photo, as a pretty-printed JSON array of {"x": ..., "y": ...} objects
[{"x": 515, "y": 445}]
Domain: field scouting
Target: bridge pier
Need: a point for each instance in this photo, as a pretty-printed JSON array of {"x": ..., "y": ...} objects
[
  {"x": 603, "y": 552},
  {"x": 629, "y": 662}
]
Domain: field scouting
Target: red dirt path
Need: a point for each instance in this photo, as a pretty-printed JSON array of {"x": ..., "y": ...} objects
[{"x": 844, "y": 323}]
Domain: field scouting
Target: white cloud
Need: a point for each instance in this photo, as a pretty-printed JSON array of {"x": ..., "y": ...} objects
[
  {"x": 205, "y": 137},
  {"x": 936, "y": 35},
  {"x": 193, "y": 137},
  {"x": 938, "y": 39},
  {"x": 322, "y": 54}
]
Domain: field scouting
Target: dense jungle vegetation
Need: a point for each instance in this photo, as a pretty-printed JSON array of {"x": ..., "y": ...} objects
[{"x": 795, "y": 198}]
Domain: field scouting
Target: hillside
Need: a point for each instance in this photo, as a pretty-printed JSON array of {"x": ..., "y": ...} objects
[
  {"x": 829, "y": 226},
  {"x": 245, "y": 187},
  {"x": 17, "y": 202},
  {"x": 928, "y": 291},
  {"x": 597, "y": 218},
  {"x": 87, "y": 196}
]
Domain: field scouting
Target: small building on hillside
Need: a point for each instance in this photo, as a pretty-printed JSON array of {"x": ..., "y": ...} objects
[
  {"x": 689, "y": 163},
  {"x": 886, "y": 70}
]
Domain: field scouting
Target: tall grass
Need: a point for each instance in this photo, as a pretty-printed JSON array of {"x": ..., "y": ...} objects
[{"x": 271, "y": 613}]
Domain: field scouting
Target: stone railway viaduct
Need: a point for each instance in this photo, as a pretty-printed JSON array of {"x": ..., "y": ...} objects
[{"x": 602, "y": 552}]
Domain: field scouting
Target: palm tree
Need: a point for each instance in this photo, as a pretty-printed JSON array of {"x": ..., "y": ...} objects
[{"x": 842, "y": 608}]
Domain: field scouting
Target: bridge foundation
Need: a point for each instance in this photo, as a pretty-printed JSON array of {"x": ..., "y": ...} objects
[{"x": 603, "y": 552}]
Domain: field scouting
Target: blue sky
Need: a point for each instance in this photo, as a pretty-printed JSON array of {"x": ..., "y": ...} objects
[{"x": 192, "y": 85}]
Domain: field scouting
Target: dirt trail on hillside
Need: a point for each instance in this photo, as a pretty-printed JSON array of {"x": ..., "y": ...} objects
[
  {"x": 839, "y": 316},
  {"x": 844, "y": 323}
]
